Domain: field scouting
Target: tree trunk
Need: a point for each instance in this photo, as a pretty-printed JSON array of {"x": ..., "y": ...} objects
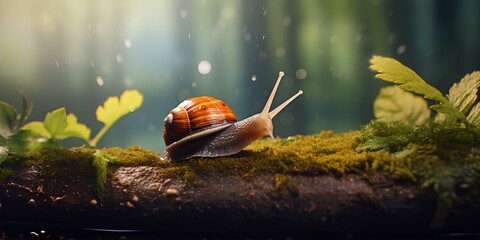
[{"x": 137, "y": 198}]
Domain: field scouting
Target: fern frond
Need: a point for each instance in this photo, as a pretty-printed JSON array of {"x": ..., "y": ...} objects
[{"x": 391, "y": 70}]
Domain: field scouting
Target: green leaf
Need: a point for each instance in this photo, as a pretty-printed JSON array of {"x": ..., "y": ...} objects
[
  {"x": 38, "y": 129},
  {"x": 18, "y": 142},
  {"x": 392, "y": 70},
  {"x": 395, "y": 104},
  {"x": 8, "y": 116},
  {"x": 27, "y": 109},
  {"x": 474, "y": 115},
  {"x": 74, "y": 129},
  {"x": 3, "y": 154},
  {"x": 55, "y": 122},
  {"x": 100, "y": 162},
  {"x": 114, "y": 108}
]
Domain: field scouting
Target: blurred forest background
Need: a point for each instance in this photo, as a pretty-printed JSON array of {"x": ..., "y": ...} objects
[{"x": 77, "y": 53}]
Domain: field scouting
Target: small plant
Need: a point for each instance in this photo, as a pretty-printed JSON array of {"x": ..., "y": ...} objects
[
  {"x": 12, "y": 138},
  {"x": 393, "y": 104},
  {"x": 58, "y": 125}
]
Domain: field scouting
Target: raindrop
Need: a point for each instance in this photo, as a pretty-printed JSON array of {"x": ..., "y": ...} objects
[
  {"x": 100, "y": 81},
  {"x": 401, "y": 49},
  {"x": 194, "y": 84},
  {"x": 89, "y": 26},
  {"x": 189, "y": 37},
  {"x": 183, "y": 13},
  {"x": 254, "y": 77},
  {"x": 280, "y": 52},
  {"x": 131, "y": 108},
  {"x": 60, "y": 15},
  {"x": 128, "y": 43},
  {"x": 204, "y": 67},
  {"x": 92, "y": 64},
  {"x": 301, "y": 74},
  {"x": 119, "y": 58},
  {"x": 58, "y": 64},
  {"x": 263, "y": 37},
  {"x": 264, "y": 12},
  {"x": 183, "y": 94}
]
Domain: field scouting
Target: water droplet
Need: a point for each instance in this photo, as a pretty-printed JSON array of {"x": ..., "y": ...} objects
[
  {"x": 183, "y": 13},
  {"x": 301, "y": 74},
  {"x": 401, "y": 49},
  {"x": 131, "y": 108},
  {"x": 263, "y": 37},
  {"x": 58, "y": 64},
  {"x": 264, "y": 12},
  {"x": 119, "y": 58},
  {"x": 194, "y": 84},
  {"x": 100, "y": 81},
  {"x": 128, "y": 43},
  {"x": 280, "y": 52},
  {"x": 189, "y": 37},
  {"x": 60, "y": 15},
  {"x": 92, "y": 64},
  {"x": 204, "y": 67},
  {"x": 254, "y": 77},
  {"x": 89, "y": 26}
]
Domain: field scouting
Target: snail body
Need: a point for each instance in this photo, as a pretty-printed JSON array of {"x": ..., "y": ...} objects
[{"x": 207, "y": 127}]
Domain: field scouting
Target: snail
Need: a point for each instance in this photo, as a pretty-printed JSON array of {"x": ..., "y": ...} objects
[{"x": 206, "y": 127}]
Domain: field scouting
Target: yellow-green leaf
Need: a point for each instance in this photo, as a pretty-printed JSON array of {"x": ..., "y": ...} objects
[
  {"x": 395, "y": 104},
  {"x": 74, "y": 129},
  {"x": 37, "y": 129},
  {"x": 474, "y": 115},
  {"x": 462, "y": 95},
  {"x": 56, "y": 121},
  {"x": 392, "y": 70},
  {"x": 115, "y": 108}
]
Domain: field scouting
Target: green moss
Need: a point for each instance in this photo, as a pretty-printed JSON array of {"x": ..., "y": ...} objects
[
  {"x": 4, "y": 173},
  {"x": 284, "y": 183},
  {"x": 324, "y": 153}
]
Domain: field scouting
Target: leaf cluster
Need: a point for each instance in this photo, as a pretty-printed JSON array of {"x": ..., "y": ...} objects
[
  {"x": 393, "y": 104},
  {"x": 12, "y": 138},
  {"x": 17, "y": 137}
]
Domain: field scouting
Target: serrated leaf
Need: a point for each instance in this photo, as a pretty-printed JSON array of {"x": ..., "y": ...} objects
[
  {"x": 56, "y": 121},
  {"x": 37, "y": 129},
  {"x": 395, "y": 104},
  {"x": 74, "y": 129},
  {"x": 392, "y": 70},
  {"x": 114, "y": 108},
  {"x": 462, "y": 95},
  {"x": 474, "y": 115},
  {"x": 8, "y": 116}
]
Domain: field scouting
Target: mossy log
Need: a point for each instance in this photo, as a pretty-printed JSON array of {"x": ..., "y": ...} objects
[{"x": 182, "y": 200}]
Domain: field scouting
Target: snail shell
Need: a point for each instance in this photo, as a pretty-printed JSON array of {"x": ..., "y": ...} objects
[
  {"x": 195, "y": 115},
  {"x": 207, "y": 127}
]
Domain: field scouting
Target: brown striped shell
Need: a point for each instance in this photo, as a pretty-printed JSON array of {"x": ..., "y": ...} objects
[{"x": 194, "y": 115}]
